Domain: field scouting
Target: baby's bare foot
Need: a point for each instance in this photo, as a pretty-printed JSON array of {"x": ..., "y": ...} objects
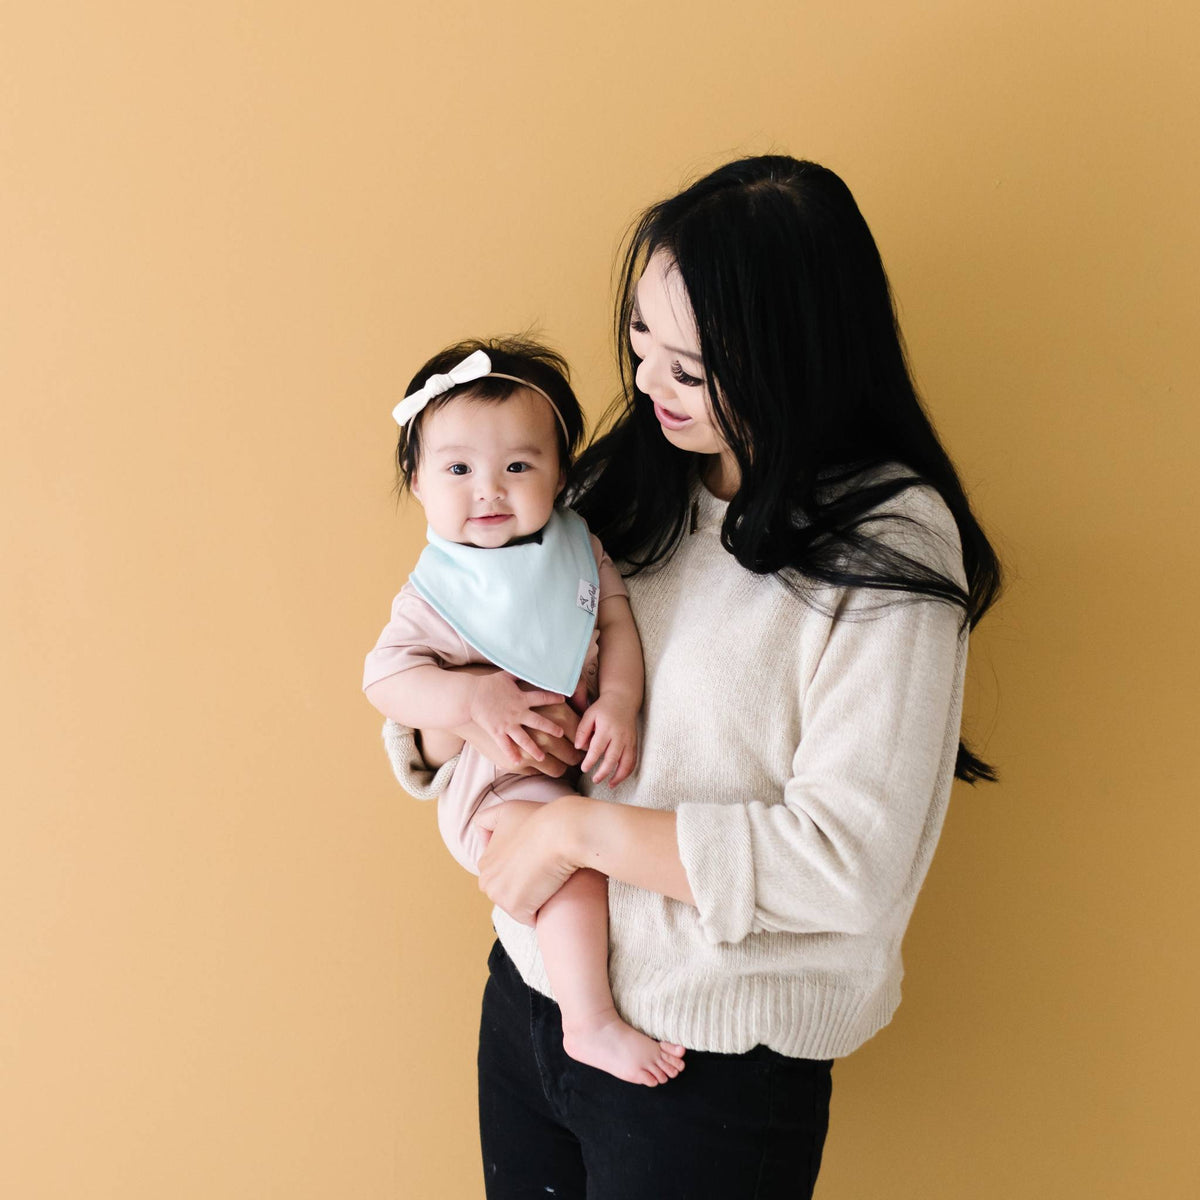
[{"x": 608, "y": 1043}]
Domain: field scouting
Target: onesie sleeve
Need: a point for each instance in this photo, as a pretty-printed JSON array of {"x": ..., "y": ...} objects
[
  {"x": 611, "y": 583},
  {"x": 879, "y": 728},
  {"x": 414, "y": 637}
]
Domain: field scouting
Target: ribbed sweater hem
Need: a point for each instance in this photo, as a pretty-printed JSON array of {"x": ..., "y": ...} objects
[{"x": 799, "y": 1015}]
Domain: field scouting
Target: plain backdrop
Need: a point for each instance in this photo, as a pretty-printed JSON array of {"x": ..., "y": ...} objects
[{"x": 235, "y": 961}]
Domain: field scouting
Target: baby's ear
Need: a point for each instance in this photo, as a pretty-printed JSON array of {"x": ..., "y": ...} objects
[
  {"x": 414, "y": 485},
  {"x": 562, "y": 482}
]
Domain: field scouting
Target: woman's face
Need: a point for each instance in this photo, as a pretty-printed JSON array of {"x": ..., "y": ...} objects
[{"x": 662, "y": 332}]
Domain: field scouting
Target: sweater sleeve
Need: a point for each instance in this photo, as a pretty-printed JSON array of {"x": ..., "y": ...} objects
[
  {"x": 413, "y": 774},
  {"x": 879, "y": 726}
]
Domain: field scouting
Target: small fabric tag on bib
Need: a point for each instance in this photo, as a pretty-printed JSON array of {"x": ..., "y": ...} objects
[{"x": 587, "y": 596}]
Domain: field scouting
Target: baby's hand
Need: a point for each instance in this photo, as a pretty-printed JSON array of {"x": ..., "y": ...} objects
[
  {"x": 503, "y": 709},
  {"x": 608, "y": 729}
]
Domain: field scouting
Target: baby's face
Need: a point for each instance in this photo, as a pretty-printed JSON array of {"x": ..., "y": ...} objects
[{"x": 489, "y": 471}]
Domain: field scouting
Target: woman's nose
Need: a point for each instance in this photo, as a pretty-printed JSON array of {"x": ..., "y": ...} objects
[{"x": 644, "y": 376}]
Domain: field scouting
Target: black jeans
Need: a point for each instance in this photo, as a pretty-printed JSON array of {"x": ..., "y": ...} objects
[{"x": 731, "y": 1126}]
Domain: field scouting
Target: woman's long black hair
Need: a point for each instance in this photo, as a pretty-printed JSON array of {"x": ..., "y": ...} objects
[{"x": 806, "y": 368}]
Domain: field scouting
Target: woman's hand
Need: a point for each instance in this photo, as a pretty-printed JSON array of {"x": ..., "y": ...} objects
[
  {"x": 526, "y": 860},
  {"x": 535, "y": 848}
]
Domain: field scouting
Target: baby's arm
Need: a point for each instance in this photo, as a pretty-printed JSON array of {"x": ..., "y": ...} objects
[
  {"x": 429, "y": 696},
  {"x": 609, "y": 726}
]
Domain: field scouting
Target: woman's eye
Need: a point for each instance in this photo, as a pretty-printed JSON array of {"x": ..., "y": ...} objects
[
  {"x": 637, "y": 325},
  {"x": 517, "y": 467},
  {"x": 681, "y": 376},
  {"x": 458, "y": 469}
]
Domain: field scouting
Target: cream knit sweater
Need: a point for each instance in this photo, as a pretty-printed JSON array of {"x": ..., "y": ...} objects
[{"x": 809, "y": 755}]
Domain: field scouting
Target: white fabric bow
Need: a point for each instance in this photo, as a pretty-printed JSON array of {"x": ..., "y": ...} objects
[{"x": 474, "y": 366}]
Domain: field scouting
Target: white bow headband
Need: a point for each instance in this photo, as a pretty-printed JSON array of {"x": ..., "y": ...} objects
[{"x": 474, "y": 366}]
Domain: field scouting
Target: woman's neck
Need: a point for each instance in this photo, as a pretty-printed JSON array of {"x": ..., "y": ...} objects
[{"x": 719, "y": 473}]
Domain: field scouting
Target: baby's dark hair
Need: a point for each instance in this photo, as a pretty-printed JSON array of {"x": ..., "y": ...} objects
[{"x": 519, "y": 356}]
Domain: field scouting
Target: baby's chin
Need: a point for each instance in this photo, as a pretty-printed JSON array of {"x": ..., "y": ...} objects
[{"x": 492, "y": 538}]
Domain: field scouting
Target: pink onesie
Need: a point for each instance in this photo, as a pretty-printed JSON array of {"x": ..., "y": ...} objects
[{"x": 417, "y": 636}]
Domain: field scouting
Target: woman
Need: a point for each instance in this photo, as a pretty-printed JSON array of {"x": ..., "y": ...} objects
[{"x": 804, "y": 569}]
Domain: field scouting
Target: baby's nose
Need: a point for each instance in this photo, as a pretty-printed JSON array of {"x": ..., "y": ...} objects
[{"x": 490, "y": 487}]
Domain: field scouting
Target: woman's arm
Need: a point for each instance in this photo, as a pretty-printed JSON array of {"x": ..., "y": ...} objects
[
  {"x": 437, "y": 746},
  {"x": 535, "y": 848},
  {"x": 635, "y": 845},
  {"x": 871, "y": 773},
  {"x": 863, "y": 804},
  {"x": 881, "y": 722}
]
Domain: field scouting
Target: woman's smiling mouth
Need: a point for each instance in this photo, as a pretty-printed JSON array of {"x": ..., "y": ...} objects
[{"x": 670, "y": 419}]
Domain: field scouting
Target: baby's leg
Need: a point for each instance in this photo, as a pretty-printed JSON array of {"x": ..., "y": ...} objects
[{"x": 572, "y": 933}]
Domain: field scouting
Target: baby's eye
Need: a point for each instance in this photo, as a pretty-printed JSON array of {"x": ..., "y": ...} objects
[
  {"x": 459, "y": 469},
  {"x": 517, "y": 467}
]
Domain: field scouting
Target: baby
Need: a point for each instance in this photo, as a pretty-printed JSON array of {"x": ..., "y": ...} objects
[{"x": 512, "y": 580}]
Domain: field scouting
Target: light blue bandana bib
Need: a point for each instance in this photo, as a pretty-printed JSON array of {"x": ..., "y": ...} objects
[{"x": 528, "y": 608}]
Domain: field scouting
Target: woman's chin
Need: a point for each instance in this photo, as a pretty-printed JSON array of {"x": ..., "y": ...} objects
[{"x": 692, "y": 437}]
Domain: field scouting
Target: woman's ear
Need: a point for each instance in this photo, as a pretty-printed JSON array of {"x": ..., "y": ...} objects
[{"x": 562, "y": 482}]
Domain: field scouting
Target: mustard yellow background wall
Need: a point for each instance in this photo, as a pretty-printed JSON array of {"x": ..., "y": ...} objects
[{"x": 234, "y": 960}]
